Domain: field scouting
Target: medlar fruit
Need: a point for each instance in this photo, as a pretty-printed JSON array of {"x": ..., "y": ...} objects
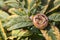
[{"x": 40, "y": 21}]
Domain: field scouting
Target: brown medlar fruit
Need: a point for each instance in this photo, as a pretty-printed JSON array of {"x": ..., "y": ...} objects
[{"x": 40, "y": 21}]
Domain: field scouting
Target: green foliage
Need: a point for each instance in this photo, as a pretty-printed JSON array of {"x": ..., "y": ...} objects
[
  {"x": 53, "y": 36},
  {"x": 2, "y": 32},
  {"x": 16, "y": 23},
  {"x": 12, "y": 3},
  {"x": 3, "y": 15},
  {"x": 55, "y": 17}
]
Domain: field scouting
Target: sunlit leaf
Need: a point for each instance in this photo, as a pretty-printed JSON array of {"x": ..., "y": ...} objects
[
  {"x": 15, "y": 32},
  {"x": 19, "y": 11},
  {"x": 3, "y": 15},
  {"x": 45, "y": 5},
  {"x": 1, "y": 3},
  {"x": 56, "y": 4},
  {"x": 2, "y": 31},
  {"x": 22, "y": 33},
  {"x": 50, "y": 33},
  {"x": 18, "y": 22},
  {"x": 12, "y": 3},
  {"x": 54, "y": 17}
]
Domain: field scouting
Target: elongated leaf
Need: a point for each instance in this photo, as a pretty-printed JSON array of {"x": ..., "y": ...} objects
[
  {"x": 50, "y": 33},
  {"x": 3, "y": 15},
  {"x": 45, "y": 7},
  {"x": 3, "y": 32},
  {"x": 22, "y": 33},
  {"x": 20, "y": 25},
  {"x": 35, "y": 5},
  {"x": 15, "y": 33},
  {"x": 11, "y": 10},
  {"x": 26, "y": 33},
  {"x": 32, "y": 3},
  {"x": 54, "y": 33},
  {"x": 55, "y": 17},
  {"x": 1, "y": 3},
  {"x": 56, "y": 4},
  {"x": 19, "y": 11},
  {"x": 12, "y": 3},
  {"x": 18, "y": 22}
]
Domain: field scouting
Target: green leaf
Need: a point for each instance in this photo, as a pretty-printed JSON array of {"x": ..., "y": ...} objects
[
  {"x": 15, "y": 32},
  {"x": 20, "y": 12},
  {"x": 54, "y": 17},
  {"x": 1, "y": 3},
  {"x": 32, "y": 3},
  {"x": 44, "y": 6},
  {"x": 26, "y": 33},
  {"x": 55, "y": 4},
  {"x": 20, "y": 25},
  {"x": 22, "y": 3},
  {"x": 3, "y": 15},
  {"x": 2, "y": 31},
  {"x": 12, "y": 3},
  {"x": 53, "y": 36},
  {"x": 18, "y": 22},
  {"x": 23, "y": 33}
]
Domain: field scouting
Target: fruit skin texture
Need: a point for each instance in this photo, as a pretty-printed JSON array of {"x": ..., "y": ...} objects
[{"x": 40, "y": 21}]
